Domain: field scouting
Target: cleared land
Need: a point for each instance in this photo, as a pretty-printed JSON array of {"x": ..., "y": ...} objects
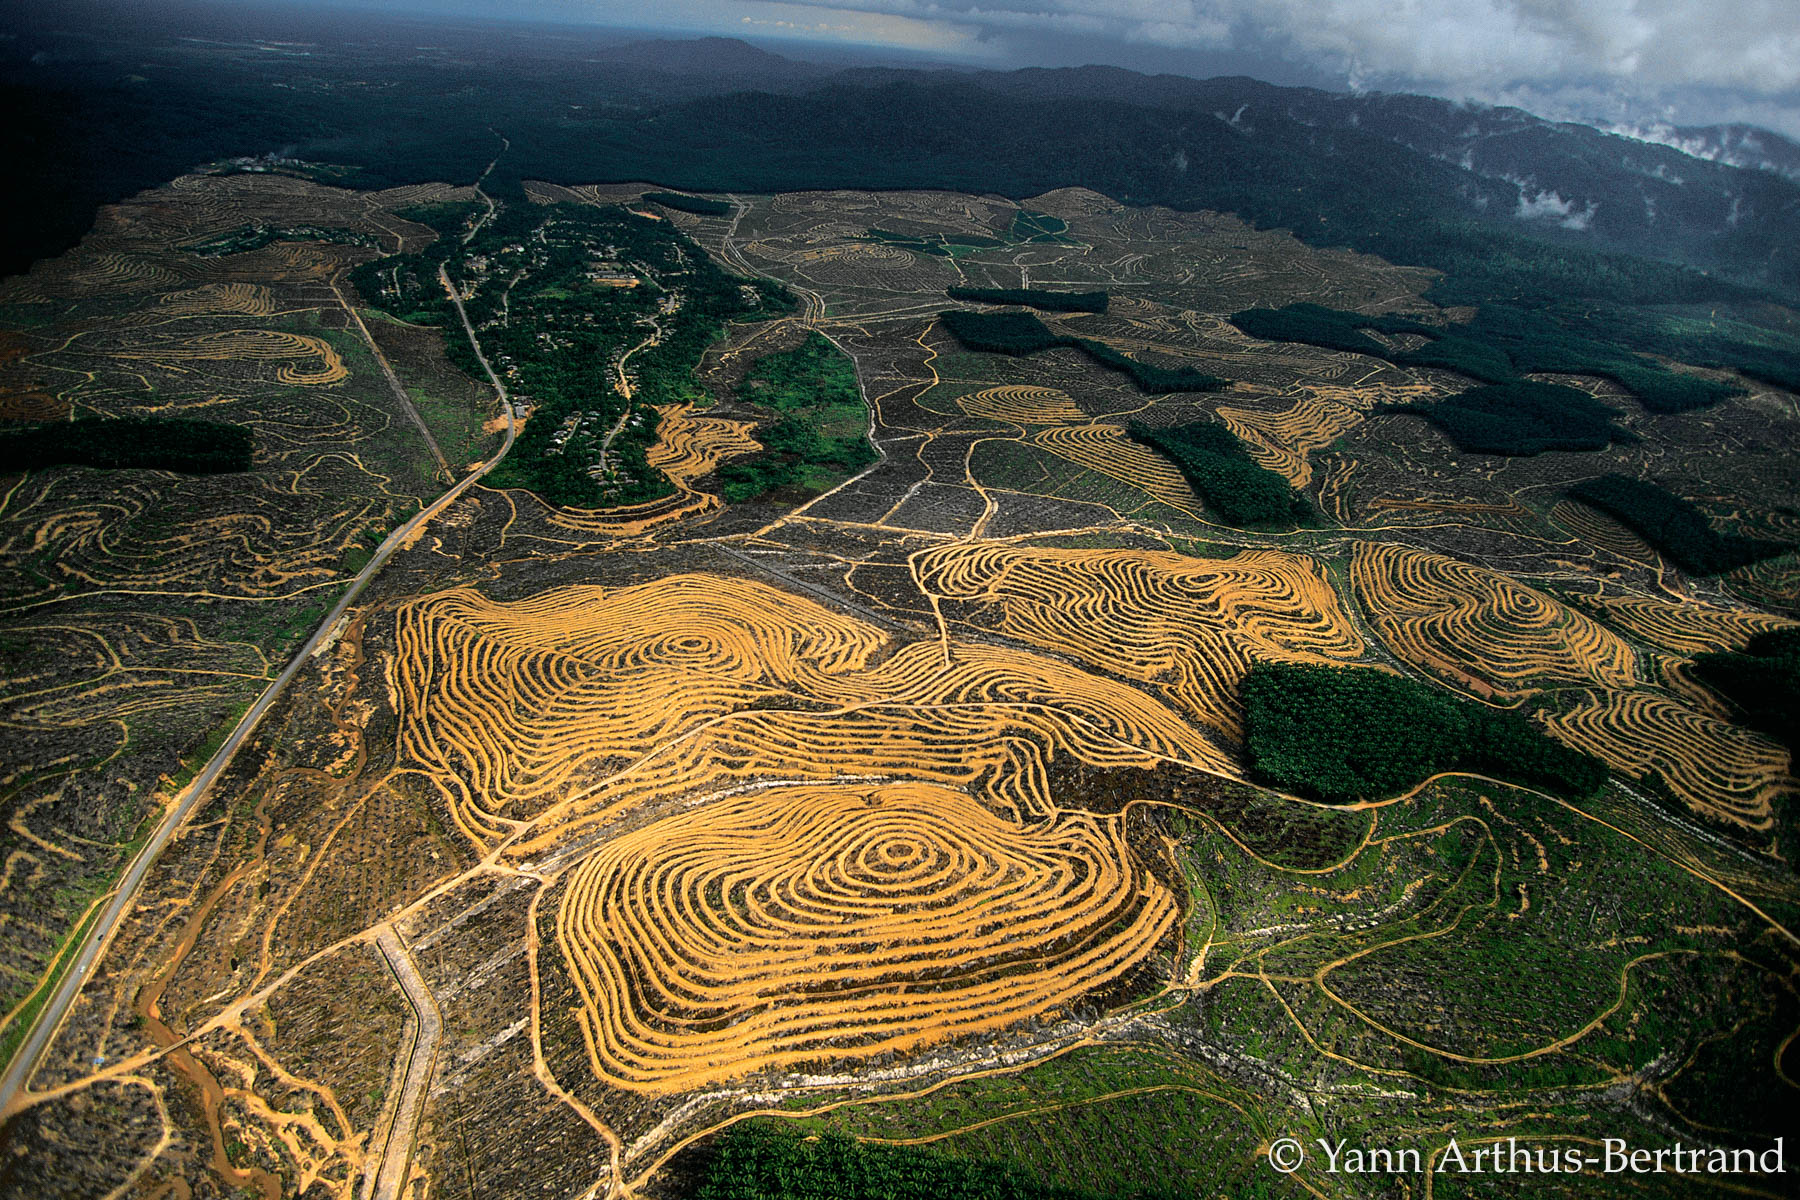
[{"x": 907, "y": 799}]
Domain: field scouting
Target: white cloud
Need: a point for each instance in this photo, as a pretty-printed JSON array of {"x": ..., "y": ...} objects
[
  {"x": 1535, "y": 205},
  {"x": 1475, "y": 48}
]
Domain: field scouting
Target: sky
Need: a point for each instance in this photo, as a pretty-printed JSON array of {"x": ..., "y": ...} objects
[{"x": 1628, "y": 62}]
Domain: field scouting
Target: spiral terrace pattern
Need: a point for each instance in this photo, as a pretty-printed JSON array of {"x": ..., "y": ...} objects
[
  {"x": 530, "y": 709},
  {"x": 1603, "y": 532},
  {"x": 1026, "y": 405},
  {"x": 256, "y": 345},
  {"x": 1106, "y": 450},
  {"x": 218, "y": 299},
  {"x": 807, "y": 924},
  {"x": 1482, "y": 630},
  {"x": 1281, "y": 441},
  {"x": 1721, "y": 770},
  {"x": 688, "y": 446},
  {"x": 1189, "y": 626},
  {"x": 1685, "y": 628}
]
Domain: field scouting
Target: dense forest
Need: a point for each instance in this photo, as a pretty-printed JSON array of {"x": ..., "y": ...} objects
[
  {"x": 1021, "y": 333},
  {"x": 1039, "y": 298},
  {"x": 1330, "y": 328},
  {"x": 760, "y": 1161},
  {"x": 1503, "y": 343},
  {"x": 1521, "y": 418},
  {"x": 818, "y": 432},
  {"x": 182, "y": 444},
  {"x": 1674, "y": 526},
  {"x": 1763, "y": 681},
  {"x": 1223, "y": 474},
  {"x": 1343, "y": 734},
  {"x": 1338, "y": 170}
]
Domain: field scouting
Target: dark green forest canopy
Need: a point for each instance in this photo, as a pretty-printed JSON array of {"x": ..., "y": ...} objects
[
  {"x": 1343, "y": 734},
  {"x": 1017, "y": 333},
  {"x": 1675, "y": 526},
  {"x": 1521, "y": 418},
  {"x": 1502, "y": 344},
  {"x": 759, "y": 1161},
  {"x": 1000, "y": 332},
  {"x": 1048, "y": 301},
  {"x": 1315, "y": 165},
  {"x": 1223, "y": 474},
  {"x": 1763, "y": 681},
  {"x": 1331, "y": 328},
  {"x": 182, "y": 444}
]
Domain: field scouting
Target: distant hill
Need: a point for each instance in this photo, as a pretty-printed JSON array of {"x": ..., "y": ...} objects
[
  {"x": 1419, "y": 180},
  {"x": 704, "y": 66},
  {"x": 1733, "y": 145},
  {"x": 709, "y": 55}
]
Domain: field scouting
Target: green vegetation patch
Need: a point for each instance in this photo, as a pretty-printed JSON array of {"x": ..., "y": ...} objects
[
  {"x": 1000, "y": 333},
  {"x": 1021, "y": 333},
  {"x": 148, "y": 443},
  {"x": 1522, "y": 418},
  {"x": 446, "y": 217},
  {"x": 1673, "y": 525},
  {"x": 1029, "y": 225},
  {"x": 698, "y": 205},
  {"x": 1710, "y": 336},
  {"x": 820, "y": 434},
  {"x": 1763, "y": 681},
  {"x": 1224, "y": 475},
  {"x": 557, "y": 340},
  {"x": 760, "y": 1161},
  {"x": 1342, "y": 734},
  {"x": 1585, "y": 343},
  {"x": 1091, "y": 302},
  {"x": 940, "y": 245}
]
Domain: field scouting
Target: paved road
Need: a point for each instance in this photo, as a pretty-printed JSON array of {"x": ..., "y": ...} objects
[
  {"x": 428, "y": 1027},
  {"x": 19, "y": 1070}
]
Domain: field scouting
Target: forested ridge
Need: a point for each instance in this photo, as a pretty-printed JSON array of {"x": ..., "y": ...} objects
[
  {"x": 1674, "y": 526},
  {"x": 1013, "y": 332},
  {"x": 1364, "y": 172},
  {"x": 1522, "y": 418},
  {"x": 1762, "y": 681},
  {"x": 1505, "y": 343},
  {"x": 184, "y": 444},
  {"x": 1223, "y": 474}
]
